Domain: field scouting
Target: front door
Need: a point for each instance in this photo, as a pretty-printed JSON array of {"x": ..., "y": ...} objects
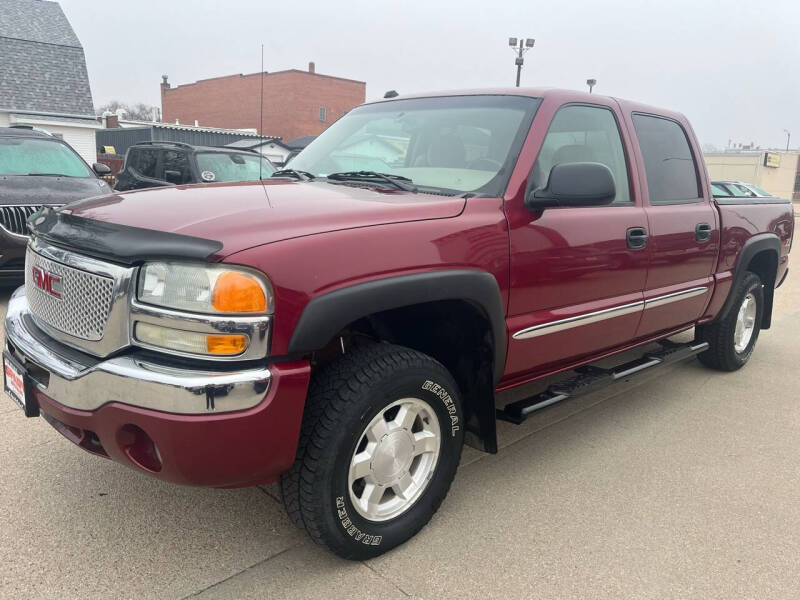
[{"x": 576, "y": 285}]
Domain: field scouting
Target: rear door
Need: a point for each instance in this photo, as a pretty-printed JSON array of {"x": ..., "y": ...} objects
[
  {"x": 683, "y": 229},
  {"x": 576, "y": 284}
]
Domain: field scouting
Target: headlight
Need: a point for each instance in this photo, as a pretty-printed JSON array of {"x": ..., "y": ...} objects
[{"x": 204, "y": 289}]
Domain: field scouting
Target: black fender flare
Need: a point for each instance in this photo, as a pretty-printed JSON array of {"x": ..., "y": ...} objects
[
  {"x": 762, "y": 242},
  {"x": 327, "y": 314}
]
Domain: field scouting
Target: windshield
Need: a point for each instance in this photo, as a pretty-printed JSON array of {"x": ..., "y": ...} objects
[
  {"x": 453, "y": 144},
  {"x": 34, "y": 156},
  {"x": 758, "y": 191},
  {"x": 741, "y": 191},
  {"x": 229, "y": 166}
]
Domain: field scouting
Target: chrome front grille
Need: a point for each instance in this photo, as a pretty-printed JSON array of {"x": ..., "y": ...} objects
[
  {"x": 14, "y": 218},
  {"x": 69, "y": 300}
]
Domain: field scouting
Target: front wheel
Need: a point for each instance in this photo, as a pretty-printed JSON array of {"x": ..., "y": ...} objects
[
  {"x": 732, "y": 339},
  {"x": 380, "y": 444}
]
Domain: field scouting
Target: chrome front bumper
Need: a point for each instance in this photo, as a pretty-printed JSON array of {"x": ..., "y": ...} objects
[{"x": 79, "y": 381}]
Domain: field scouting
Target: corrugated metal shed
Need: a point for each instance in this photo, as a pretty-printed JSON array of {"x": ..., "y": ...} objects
[{"x": 124, "y": 137}]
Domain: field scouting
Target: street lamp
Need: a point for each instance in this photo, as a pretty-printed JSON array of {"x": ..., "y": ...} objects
[
  {"x": 520, "y": 46},
  {"x": 591, "y": 83},
  {"x": 788, "y": 137}
]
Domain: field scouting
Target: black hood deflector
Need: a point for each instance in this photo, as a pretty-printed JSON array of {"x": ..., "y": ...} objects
[{"x": 118, "y": 243}]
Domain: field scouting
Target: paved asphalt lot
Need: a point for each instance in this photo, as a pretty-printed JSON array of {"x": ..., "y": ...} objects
[{"x": 684, "y": 485}]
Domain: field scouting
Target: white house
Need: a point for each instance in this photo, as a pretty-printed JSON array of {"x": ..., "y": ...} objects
[
  {"x": 43, "y": 78},
  {"x": 273, "y": 148}
]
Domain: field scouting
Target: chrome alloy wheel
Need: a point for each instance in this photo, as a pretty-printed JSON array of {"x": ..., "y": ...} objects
[
  {"x": 394, "y": 460},
  {"x": 745, "y": 323}
]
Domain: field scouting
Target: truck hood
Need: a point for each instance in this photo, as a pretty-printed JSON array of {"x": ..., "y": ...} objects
[
  {"x": 37, "y": 189},
  {"x": 243, "y": 215}
]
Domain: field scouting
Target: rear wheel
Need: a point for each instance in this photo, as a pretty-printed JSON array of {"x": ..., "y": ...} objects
[
  {"x": 380, "y": 444},
  {"x": 732, "y": 338}
]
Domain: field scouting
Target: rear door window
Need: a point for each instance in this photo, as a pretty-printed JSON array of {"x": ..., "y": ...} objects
[
  {"x": 668, "y": 161},
  {"x": 144, "y": 161}
]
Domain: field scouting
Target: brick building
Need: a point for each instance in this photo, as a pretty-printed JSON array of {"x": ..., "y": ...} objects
[{"x": 296, "y": 103}]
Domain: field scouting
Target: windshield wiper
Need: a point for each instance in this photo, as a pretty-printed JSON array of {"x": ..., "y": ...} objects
[
  {"x": 299, "y": 175},
  {"x": 47, "y": 175},
  {"x": 397, "y": 181}
]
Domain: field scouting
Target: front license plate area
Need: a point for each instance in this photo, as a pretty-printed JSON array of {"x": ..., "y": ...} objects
[{"x": 16, "y": 384}]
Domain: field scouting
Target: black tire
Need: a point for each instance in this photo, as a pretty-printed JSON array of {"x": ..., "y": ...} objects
[
  {"x": 344, "y": 397},
  {"x": 722, "y": 354}
]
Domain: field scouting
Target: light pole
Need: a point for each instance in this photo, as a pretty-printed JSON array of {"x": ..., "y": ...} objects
[
  {"x": 520, "y": 46},
  {"x": 788, "y": 137},
  {"x": 591, "y": 83}
]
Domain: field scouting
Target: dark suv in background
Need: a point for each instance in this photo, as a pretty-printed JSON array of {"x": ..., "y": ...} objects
[
  {"x": 37, "y": 169},
  {"x": 155, "y": 164}
]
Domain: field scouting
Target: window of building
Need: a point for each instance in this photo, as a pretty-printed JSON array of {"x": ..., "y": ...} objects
[
  {"x": 584, "y": 134},
  {"x": 669, "y": 165},
  {"x": 323, "y": 114}
]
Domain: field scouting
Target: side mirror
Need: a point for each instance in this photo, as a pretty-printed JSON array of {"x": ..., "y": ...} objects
[
  {"x": 173, "y": 176},
  {"x": 575, "y": 184},
  {"x": 101, "y": 169}
]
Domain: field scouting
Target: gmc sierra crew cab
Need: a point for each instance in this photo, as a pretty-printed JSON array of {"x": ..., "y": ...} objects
[{"x": 345, "y": 325}]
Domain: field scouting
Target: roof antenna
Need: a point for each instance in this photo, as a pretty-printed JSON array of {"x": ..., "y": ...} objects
[{"x": 261, "y": 119}]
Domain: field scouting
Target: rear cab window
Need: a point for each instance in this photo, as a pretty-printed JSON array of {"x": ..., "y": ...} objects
[
  {"x": 670, "y": 166},
  {"x": 719, "y": 191}
]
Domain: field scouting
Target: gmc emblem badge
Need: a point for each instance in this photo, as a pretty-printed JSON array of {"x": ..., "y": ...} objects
[{"x": 47, "y": 282}]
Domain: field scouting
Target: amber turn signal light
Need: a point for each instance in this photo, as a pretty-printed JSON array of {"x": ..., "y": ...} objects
[
  {"x": 236, "y": 292},
  {"x": 226, "y": 344}
]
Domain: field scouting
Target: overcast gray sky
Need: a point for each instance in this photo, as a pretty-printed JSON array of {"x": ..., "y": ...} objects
[{"x": 732, "y": 67}]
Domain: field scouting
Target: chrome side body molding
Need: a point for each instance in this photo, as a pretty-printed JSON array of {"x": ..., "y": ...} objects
[
  {"x": 577, "y": 321},
  {"x": 674, "y": 297},
  {"x": 607, "y": 313}
]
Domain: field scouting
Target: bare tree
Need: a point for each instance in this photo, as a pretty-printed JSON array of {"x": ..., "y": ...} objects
[{"x": 134, "y": 112}]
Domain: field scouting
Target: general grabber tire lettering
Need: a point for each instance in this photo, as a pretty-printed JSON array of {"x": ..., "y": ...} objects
[
  {"x": 380, "y": 444},
  {"x": 732, "y": 339}
]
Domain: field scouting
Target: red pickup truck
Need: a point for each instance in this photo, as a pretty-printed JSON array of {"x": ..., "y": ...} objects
[{"x": 347, "y": 324}]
